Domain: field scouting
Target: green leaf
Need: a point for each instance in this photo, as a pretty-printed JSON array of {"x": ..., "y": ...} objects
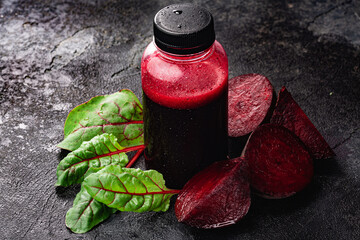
[
  {"x": 119, "y": 113},
  {"x": 86, "y": 213},
  {"x": 100, "y": 151},
  {"x": 128, "y": 189}
]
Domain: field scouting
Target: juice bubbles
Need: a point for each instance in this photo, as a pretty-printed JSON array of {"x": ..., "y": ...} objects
[{"x": 184, "y": 74}]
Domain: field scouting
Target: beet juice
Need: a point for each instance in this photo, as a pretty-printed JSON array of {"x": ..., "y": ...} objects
[{"x": 184, "y": 74}]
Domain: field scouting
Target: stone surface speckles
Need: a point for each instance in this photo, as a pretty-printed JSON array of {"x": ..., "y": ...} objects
[{"x": 55, "y": 55}]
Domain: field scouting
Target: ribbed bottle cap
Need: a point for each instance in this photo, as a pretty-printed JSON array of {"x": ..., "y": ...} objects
[{"x": 184, "y": 29}]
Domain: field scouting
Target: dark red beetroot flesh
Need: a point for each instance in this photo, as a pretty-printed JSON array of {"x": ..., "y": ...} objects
[
  {"x": 250, "y": 98},
  {"x": 279, "y": 163},
  {"x": 288, "y": 113},
  {"x": 215, "y": 197}
]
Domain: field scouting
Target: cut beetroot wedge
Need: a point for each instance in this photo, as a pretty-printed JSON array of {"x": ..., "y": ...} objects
[
  {"x": 288, "y": 113},
  {"x": 250, "y": 103},
  {"x": 215, "y": 197},
  {"x": 250, "y": 98},
  {"x": 279, "y": 163}
]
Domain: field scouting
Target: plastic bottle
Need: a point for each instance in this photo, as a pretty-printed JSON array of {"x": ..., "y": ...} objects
[{"x": 184, "y": 73}]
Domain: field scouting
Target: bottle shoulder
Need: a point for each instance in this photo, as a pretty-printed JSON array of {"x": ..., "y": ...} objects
[{"x": 215, "y": 51}]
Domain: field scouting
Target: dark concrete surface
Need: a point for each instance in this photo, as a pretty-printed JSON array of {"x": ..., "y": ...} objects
[{"x": 55, "y": 55}]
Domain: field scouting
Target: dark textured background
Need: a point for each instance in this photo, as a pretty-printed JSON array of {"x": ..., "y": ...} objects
[{"x": 55, "y": 55}]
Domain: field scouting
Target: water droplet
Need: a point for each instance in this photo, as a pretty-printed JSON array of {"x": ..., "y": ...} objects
[{"x": 177, "y": 12}]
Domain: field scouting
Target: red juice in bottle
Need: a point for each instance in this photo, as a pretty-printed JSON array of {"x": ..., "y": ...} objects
[{"x": 184, "y": 74}]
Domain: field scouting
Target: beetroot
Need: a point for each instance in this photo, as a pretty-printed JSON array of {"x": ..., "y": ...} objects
[
  {"x": 250, "y": 103},
  {"x": 288, "y": 113},
  {"x": 250, "y": 98},
  {"x": 215, "y": 197},
  {"x": 279, "y": 163}
]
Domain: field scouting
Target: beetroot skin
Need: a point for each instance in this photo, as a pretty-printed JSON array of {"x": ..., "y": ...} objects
[
  {"x": 250, "y": 99},
  {"x": 215, "y": 197},
  {"x": 288, "y": 113},
  {"x": 279, "y": 163}
]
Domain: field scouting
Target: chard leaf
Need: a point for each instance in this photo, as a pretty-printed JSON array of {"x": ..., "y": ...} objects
[
  {"x": 119, "y": 113},
  {"x": 86, "y": 213},
  {"x": 100, "y": 151},
  {"x": 128, "y": 189}
]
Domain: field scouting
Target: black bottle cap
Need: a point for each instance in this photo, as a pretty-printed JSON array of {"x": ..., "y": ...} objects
[{"x": 183, "y": 29}]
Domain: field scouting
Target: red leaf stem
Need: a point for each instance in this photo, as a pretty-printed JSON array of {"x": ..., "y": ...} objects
[
  {"x": 172, "y": 191},
  {"x": 108, "y": 124},
  {"x": 135, "y": 157},
  {"x": 128, "y": 149}
]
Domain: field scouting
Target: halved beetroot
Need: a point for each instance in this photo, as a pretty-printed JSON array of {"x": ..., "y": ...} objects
[
  {"x": 250, "y": 98},
  {"x": 288, "y": 113},
  {"x": 215, "y": 197},
  {"x": 250, "y": 103},
  {"x": 279, "y": 163}
]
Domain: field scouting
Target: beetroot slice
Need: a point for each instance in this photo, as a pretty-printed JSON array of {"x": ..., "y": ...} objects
[
  {"x": 288, "y": 113},
  {"x": 279, "y": 163},
  {"x": 215, "y": 197},
  {"x": 249, "y": 101}
]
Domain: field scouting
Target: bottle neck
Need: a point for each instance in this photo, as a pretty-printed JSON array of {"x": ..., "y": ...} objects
[{"x": 194, "y": 57}]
